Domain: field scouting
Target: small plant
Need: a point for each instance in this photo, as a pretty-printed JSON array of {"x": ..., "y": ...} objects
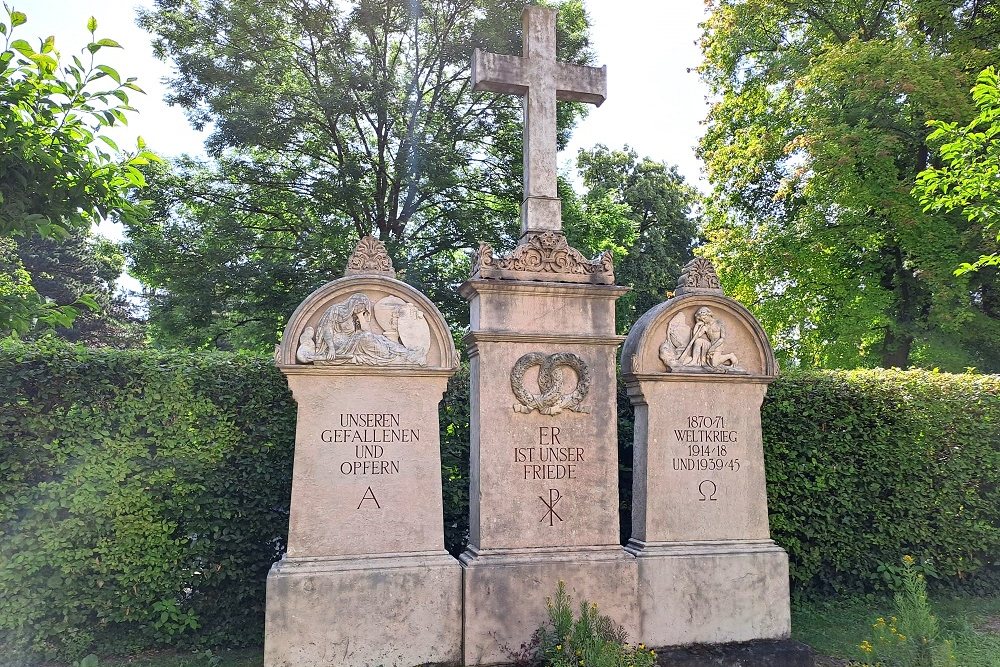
[
  {"x": 588, "y": 640},
  {"x": 911, "y": 638},
  {"x": 89, "y": 661}
]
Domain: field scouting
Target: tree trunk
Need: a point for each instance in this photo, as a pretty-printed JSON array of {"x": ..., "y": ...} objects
[{"x": 896, "y": 350}]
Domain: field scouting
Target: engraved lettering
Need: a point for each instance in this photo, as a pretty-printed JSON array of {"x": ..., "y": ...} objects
[{"x": 369, "y": 496}]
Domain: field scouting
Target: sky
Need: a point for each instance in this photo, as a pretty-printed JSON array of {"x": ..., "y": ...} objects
[{"x": 654, "y": 102}]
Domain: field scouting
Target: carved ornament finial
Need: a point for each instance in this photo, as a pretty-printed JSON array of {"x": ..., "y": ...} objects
[
  {"x": 370, "y": 257},
  {"x": 544, "y": 256},
  {"x": 699, "y": 277}
]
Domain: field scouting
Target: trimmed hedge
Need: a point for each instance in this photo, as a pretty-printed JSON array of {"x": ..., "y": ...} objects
[{"x": 144, "y": 495}]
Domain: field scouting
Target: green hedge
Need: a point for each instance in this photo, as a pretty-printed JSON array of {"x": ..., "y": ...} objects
[
  {"x": 143, "y": 495},
  {"x": 866, "y": 466}
]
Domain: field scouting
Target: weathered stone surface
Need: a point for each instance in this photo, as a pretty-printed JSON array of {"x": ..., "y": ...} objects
[
  {"x": 699, "y": 461},
  {"x": 365, "y": 580},
  {"x": 544, "y": 256},
  {"x": 544, "y": 461},
  {"x": 505, "y": 594},
  {"x": 397, "y": 610},
  {"x": 762, "y": 653},
  {"x": 712, "y": 592},
  {"x": 542, "y": 480},
  {"x": 367, "y": 320},
  {"x": 367, "y": 465},
  {"x": 540, "y": 81},
  {"x": 697, "y": 368}
]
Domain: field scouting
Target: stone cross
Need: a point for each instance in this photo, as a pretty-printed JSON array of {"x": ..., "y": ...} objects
[{"x": 540, "y": 80}]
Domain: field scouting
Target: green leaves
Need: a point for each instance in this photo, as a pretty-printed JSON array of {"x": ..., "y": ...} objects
[
  {"x": 57, "y": 178},
  {"x": 164, "y": 501},
  {"x": 812, "y": 147},
  {"x": 969, "y": 179},
  {"x": 865, "y": 465}
]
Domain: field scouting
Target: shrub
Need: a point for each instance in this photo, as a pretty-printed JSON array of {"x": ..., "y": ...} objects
[
  {"x": 589, "y": 639},
  {"x": 143, "y": 497},
  {"x": 865, "y": 465},
  {"x": 913, "y": 638}
]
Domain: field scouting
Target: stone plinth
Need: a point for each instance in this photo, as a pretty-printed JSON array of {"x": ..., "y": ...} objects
[
  {"x": 366, "y": 580},
  {"x": 544, "y": 462},
  {"x": 697, "y": 368}
]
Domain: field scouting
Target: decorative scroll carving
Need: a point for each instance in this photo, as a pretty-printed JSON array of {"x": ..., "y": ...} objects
[
  {"x": 698, "y": 349},
  {"x": 552, "y": 400},
  {"x": 346, "y": 334},
  {"x": 370, "y": 257},
  {"x": 699, "y": 277},
  {"x": 545, "y": 253}
]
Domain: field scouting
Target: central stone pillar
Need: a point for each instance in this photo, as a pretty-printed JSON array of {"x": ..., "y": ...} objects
[{"x": 544, "y": 457}]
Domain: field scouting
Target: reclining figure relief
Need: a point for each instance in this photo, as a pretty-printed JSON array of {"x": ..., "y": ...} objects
[{"x": 345, "y": 334}]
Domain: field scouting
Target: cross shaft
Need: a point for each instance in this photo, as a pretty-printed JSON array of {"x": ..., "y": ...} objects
[{"x": 540, "y": 80}]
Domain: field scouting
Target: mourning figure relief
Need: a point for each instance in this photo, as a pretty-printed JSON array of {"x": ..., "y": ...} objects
[
  {"x": 356, "y": 331},
  {"x": 699, "y": 348}
]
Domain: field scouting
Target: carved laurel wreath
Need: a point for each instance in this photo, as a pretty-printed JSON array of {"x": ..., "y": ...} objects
[{"x": 552, "y": 400}]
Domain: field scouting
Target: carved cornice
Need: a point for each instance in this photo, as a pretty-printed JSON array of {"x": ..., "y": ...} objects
[
  {"x": 370, "y": 258},
  {"x": 544, "y": 256},
  {"x": 699, "y": 277}
]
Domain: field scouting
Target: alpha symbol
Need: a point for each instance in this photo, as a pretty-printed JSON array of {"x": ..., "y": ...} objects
[
  {"x": 369, "y": 495},
  {"x": 550, "y": 504}
]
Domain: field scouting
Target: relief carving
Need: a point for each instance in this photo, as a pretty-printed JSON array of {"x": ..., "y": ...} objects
[
  {"x": 346, "y": 334},
  {"x": 369, "y": 257},
  {"x": 698, "y": 348},
  {"x": 552, "y": 400},
  {"x": 547, "y": 252}
]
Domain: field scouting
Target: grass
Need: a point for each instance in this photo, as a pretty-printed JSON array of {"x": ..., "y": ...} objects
[{"x": 836, "y": 627}]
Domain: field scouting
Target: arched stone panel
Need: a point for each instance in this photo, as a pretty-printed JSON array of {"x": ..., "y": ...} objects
[
  {"x": 367, "y": 321},
  {"x": 661, "y": 341}
]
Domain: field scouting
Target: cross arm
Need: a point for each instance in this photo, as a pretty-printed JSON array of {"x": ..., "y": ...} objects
[
  {"x": 580, "y": 83},
  {"x": 498, "y": 73}
]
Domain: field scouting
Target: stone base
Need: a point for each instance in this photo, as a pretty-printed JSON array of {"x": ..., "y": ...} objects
[
  {"x": 763, "y": 653},
  {"x": 712, "y": 592},
  {"x": 505, "y": 594},
  {"x": 393, "y": 610}
]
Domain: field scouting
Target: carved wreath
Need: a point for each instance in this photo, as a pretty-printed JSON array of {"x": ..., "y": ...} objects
[{"x": 552, "y": 400}]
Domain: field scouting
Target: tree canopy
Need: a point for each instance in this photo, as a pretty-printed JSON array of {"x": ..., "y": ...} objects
[
  {"x": 330, "y": 120},
  {"x": 58, "y": 172},
  {"x": 969, "y": 179},
  {"x": 814, "y": 141},
  {"x": 641, "y": 210}
]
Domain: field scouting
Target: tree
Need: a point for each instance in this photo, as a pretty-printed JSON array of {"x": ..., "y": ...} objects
[
  {"x": 330, "y": 121},
  {"x": 82, "y": 266},
  {"x": 969, "y": 179},
  {"x": 55, "y": 179},
  {"x": 814, "y": 141},
  {"x": 644, "y": 212}
]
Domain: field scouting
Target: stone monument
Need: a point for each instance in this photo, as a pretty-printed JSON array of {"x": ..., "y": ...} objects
[
  {"x": 366, "y": 580},
  {"x": 697, "y": 367},
  {"x": 542, "y": 346}
]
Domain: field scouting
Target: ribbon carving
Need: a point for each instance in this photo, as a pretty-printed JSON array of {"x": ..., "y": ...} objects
[{"x": 553, "y": 399}]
